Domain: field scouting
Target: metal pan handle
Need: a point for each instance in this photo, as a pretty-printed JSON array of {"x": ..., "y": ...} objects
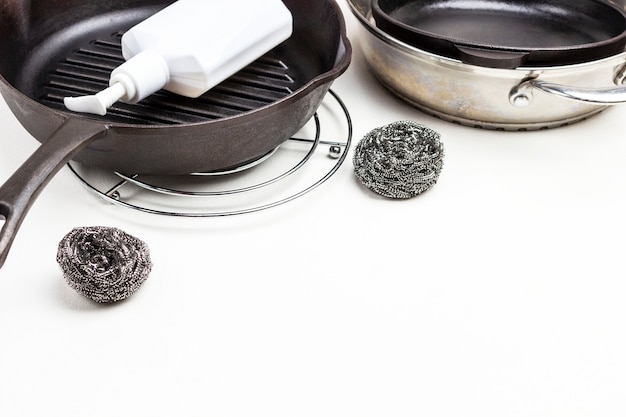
[
  {"x": 522, "y": 95},
  {"x": 610, "y": 95},
  {"x": 19, "y": 192}
]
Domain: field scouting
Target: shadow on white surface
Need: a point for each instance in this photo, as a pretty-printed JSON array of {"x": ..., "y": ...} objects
[{"x": 67, "y": 298}]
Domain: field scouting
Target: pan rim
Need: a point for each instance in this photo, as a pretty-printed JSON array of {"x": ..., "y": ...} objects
[{"x": 364, "y": 16}]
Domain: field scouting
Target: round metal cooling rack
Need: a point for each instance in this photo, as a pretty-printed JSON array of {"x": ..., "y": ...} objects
[{"x": 250, "y": 187}]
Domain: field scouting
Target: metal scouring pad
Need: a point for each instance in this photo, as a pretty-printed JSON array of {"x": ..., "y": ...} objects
[
  {"x": 400, "y": 160},
  {"x": 104, "y": 263}
]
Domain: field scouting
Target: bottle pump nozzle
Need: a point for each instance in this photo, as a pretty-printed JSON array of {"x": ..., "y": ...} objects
[
  {"x": 144, "y": 74},
  {"x": 97, "y": 103}
]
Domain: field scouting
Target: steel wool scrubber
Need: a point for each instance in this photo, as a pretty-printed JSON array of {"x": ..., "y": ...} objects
[
  {"x": 400, "y": 160},
  {"x": 104, "y": 263}
]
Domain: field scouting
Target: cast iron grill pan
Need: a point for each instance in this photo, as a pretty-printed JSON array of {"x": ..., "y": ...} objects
[
  {"x": 238, "y": 121},
  {"x": 507, "y": 33},
  {"x": 87, "y": 69},
  {"x": 57, "y": 48}
]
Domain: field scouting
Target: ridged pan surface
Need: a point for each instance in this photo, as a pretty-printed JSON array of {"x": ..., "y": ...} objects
[{"x": 86, "y": 71}]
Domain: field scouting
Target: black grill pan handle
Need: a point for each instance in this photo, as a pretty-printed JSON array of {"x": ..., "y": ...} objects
[{"x": 19, "y": 192}]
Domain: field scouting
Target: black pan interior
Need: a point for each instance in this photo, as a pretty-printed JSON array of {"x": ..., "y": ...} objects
[
  {"x": 65, "y": 48},
  {"x": 560, "y": 31}
]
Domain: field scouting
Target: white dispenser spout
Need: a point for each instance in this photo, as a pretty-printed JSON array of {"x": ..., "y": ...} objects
[
  {"x": 188, "y": 48},
  {"x": 98, "y": 103},
  {"x": 142, "y": 75}
]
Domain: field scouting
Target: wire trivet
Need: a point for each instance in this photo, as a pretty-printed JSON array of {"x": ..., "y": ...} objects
[{"x": 292, "y": 170}]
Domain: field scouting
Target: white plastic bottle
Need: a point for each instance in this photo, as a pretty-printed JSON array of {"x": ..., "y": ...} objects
[{"x": 189, "y": 47}]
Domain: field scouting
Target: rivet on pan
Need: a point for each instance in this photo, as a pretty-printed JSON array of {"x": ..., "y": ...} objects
[
  {"x": 620, "y": 75},
  {"x": 522, "y": 100},
  {"x": 521, "y": 96}
]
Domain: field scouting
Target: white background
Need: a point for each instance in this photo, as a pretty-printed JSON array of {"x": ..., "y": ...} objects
[{"x": 500, "y": 292}]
